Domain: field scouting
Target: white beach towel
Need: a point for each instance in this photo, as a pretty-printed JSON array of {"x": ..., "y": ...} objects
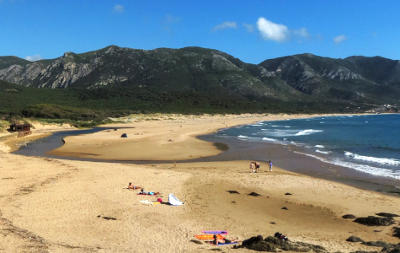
[{"x": 174, "y": 200}]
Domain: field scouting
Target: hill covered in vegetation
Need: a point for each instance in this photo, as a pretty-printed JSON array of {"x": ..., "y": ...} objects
[{"x": 115, "y": 81}]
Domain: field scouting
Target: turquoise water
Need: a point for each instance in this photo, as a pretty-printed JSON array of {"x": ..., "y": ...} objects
[{"x": 368, "y": 143}]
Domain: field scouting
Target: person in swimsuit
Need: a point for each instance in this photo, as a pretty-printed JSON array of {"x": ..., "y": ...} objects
[
  {"x": 133, "y": 187},
  {"x": 217, "y": 240},
  {"x": 252, "y": 167}
]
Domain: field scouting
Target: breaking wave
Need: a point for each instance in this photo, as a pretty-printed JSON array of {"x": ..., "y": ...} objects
[
  {"x": 322, "y": 152},
  {"x": 359, "y": 167},
  {"x": 308, "y": 132},
  {"x": 378, "y": 160}
]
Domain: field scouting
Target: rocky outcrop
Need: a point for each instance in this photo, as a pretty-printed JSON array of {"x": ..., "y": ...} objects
[
  {"x": 387, "y": 215},
  {"x": 354, "y": 239},
  {"x": 396, "y": 232},
  {"x": 348, "y": 216},
  {"x": 273, "y": 244},
  {"x": 375, "y": 221}
]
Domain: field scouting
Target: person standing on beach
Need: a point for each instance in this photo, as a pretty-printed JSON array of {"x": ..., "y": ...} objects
[
  {"x": 252, "y": 167},
  {"x": 270, "y": 165}
]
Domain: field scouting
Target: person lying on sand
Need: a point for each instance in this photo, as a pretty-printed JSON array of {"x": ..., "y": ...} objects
[
  {"x": 133, "y": 187},
  {"x": 142, "y": 192},
  {"x": 217, "y": 240}
]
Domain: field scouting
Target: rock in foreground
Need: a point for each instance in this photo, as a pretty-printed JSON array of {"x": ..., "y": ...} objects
[
  {"x": 273, "y": 244},
  {"x": 388, "y": 215},
  {"x": 375, "y": 221},
  {"x": 354, "y": 239}
]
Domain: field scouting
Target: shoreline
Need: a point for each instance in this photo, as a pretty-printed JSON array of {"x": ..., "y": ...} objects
[{"x": 242, "y": 150}]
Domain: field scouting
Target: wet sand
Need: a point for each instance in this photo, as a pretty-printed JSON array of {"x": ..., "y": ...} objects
[{"x": 54, "y": 205}]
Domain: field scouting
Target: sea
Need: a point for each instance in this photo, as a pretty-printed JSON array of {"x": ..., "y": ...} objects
[{"x": 367, "y": 143}]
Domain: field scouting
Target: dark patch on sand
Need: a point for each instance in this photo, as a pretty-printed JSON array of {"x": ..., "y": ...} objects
[
  {"x": 348, "y": 216},
  {"x": 254, "y": 194},
  {"x": 288, "y": 194},
  {"x": 233, "y": 192},
  {"x": 221, "y": 146}
]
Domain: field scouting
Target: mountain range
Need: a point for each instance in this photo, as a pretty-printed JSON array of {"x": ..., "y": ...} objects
[{"x": 200, "y": 79}]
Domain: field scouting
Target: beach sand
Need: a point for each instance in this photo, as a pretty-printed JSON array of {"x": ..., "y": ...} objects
[{"x": 56, "y": 205}]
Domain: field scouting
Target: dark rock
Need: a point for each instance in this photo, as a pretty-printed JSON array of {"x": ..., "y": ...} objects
[
  {"x": 109, "y": 218},
  {"x": 396, "y": 232},
  {"x": 388, "y": 215},
  {"x": 273, "y": 244},
  {"x": 254, "y": 194},
  {"x": 377, "y": 231},
  {"x": 124, "y": 135},
  {"x": 196, "y": 241},
  {"x": 288, "y": 193},
  {"x": 106, "y": 217},
  {"x": 272, "y": 222},
  {"x": 284, "y": 208},
  {"x": 354, "y": 239},
  {"x": 363, "y": 251},
  {"x": 233, "y": 192},
  {"x": 375, "y": 221},
  {"x": 393, "y": 250},
  {"x": 378, "y": 244},
  {"x": 348, "y": 216},
  {"x": 395, "y": 192}
]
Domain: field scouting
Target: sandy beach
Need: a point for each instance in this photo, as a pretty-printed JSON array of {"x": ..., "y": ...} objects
[{"x": 57, "y": 205}]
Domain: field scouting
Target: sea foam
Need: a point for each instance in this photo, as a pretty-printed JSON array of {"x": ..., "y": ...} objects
[
  {"x": 322, "y": 152},
  {"x": 269, "y": 139},
  {"x": 308, "y": 132},
  {"x": 362, "y": 168},
  {"x": 378, "y": 160}
]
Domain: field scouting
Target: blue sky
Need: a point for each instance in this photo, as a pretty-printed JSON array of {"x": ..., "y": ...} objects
[{"x": 252, "y": 30}]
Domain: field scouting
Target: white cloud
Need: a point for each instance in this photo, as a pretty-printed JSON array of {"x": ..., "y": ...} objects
[
  {"x": 249, "y": 27},
  {"x": 302, "y": 32},
  {"x": 339, "y": 39},
  {"x": 225, "y": 25},
  {"x": 119, "y": 8},
  {"x": 272, "y": 31},
  {"x": 35, "y": 57}
]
